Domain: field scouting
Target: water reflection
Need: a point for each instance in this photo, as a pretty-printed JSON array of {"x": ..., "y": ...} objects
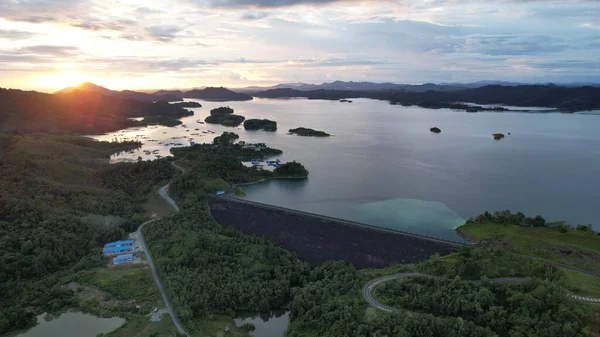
[
  {"x": 71, "y": 324},
  {"x": 268, "y": 323}
]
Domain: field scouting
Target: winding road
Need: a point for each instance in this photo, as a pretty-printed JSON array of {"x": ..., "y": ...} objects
[
  {"x": 164, "y": 193},
  {"x": 368, "y": 289}
]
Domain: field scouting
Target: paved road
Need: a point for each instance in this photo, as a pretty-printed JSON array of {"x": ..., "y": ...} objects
[
  {"x": 368, "y": 288},
  {"x": 163, "y": 193}
]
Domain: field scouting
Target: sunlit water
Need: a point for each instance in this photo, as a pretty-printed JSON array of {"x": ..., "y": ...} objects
[
  {"x": 71, "y": 324},
  {"x": 267, "y": 324},
  {"x": 383, "y": 166}
]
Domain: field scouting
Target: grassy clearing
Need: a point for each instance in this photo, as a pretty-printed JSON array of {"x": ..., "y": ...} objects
[
  {"x": 581, "y": 284},
  {"x": 119, "y": 291},
  {"x": 141, "y": 326},
  {"x": 577, "y": 248},
  {"x": 216, "y": 326},
  {"x": 156, "y": 206}
]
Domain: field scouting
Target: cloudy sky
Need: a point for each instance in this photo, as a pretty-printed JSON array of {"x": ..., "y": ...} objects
[{"x": 144, "y": 44}]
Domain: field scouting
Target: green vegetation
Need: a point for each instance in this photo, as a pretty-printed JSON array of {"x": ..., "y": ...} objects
[
  {"x": 473, "y": 264},
  {"x": 260, "y": 124},
  {"x": 224, "y": 116},
  {"x": 110, "y": 291},
  {"x": 226, "y": 138},
  {"x": 221, "y": 111},
  {"x": 54, "y": 190},
  {"x": 240, "y": 192},
  {"x": 308, "y": 132},
  {"x": 580, "y": 283},
  {"x": 558, "y": 242},
  {"x": 291, "y": 169},
  {"x": 162, "y": 120},
  {"x": 530, "y": 308}
]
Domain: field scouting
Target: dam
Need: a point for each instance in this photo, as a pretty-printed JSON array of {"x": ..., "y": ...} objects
[{"x": 315, "y": 238}]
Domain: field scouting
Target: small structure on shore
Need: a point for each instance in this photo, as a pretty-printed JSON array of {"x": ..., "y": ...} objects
[
  {"x": 220, "y": 192},
  {"x": 435, "y": 129},
  {"x": 121, "y": 259}
]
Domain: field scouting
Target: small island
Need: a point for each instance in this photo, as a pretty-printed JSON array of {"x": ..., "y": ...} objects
[
  {"x": 260, "y": 124},
  {"x": 345, "y": 101},
  {"x": 306, "y": 132},
  {"x": 187, "y": 104},
  {"x": 435, "y": 129},
  {"x": 224, "y": 116},
  {"x": 498, "y": 136}
]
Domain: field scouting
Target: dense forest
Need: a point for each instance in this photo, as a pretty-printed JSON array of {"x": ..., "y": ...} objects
[
  {"x": 211, "y": 270},
  {"x": 224, "y": 116},
  {"x": 60, "y": 200},
  {"x": 567, "y": 99},
  {"x": 531, "y": 308},
  {"x": 77, "y": 111},
  {"x": 217, "y": 94},
  {"x": 260, "y": 124},
  {"x": 306, "y": 132}
]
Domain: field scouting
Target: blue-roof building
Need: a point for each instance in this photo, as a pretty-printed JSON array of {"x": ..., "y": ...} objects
[
  {"x": 220, "y": 192},
  {"x": 125, "y": 258},
  {"x": 117, "y": 250},
  {"x": 119, "y": 243}
]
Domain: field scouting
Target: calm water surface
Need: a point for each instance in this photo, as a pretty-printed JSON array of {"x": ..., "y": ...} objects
[
  {"x": 72, "y": 324},
  {"x": 384, "y": 167},
  {"x": 268, "y": 324}
]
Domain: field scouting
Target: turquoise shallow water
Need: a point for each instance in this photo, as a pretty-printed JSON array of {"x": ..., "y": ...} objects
[
  {"x": 412, "y": 215},
  {"x": 379, "y": 153}
]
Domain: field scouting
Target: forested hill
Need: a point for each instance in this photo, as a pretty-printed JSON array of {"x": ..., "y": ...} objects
[
  {"x": 217, "y": 94},
  {"x": 566, "y": 99},
  {"x": 60, "y": 201},
  {"x": 76, "y": 111}
]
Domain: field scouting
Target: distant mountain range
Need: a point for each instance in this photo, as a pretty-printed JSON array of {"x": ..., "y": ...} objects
[
  {"x": 208, "y": 93},
  {"x": 566, "y": 99},
  {"x": 372, "y": 86},
  {"x": 127, "y": 94}
]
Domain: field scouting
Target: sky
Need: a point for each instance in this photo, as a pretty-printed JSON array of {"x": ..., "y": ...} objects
[{"x": 145, "y": 44}]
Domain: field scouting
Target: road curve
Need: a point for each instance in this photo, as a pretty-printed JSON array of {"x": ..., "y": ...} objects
[
  {"x": 165, "y": 195},
  {"x": 368, "y": 289}
]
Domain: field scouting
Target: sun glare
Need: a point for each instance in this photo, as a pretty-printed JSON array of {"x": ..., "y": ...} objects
[{"x": 63, "y": 79}]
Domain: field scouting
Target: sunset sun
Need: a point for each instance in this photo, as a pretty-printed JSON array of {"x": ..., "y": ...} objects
[{"x": 63, "y": 79}]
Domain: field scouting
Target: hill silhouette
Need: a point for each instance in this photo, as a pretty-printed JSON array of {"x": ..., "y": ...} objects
[{"x": 76, "y": 111}]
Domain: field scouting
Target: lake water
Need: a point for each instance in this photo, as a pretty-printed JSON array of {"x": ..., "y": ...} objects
[
  {"x": 71, "y": 324},
  {"x": 383, "y": 166},
  {"x": 268, "y": 324}
]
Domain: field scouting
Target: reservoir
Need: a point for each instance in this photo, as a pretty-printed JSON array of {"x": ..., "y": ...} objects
[{"x": 383, "y": 166}]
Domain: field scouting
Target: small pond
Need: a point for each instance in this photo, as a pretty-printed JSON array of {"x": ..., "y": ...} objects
[
  {"x": 268, "y": 324},
  {"x": 71, "y": 324}
]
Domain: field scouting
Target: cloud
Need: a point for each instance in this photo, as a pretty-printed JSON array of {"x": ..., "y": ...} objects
[
  {"x": 164, "y": 33},
  {"x": 147, "y": 10},
  {"x": 254, "y": 15},
  {"x": 49, "y": 50},
  {"x": 269, "y": 3},
  {"x": 523, "y": 44},
  {"x": 15, "y": 34},
  {"x": 38, "y": 11}
]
